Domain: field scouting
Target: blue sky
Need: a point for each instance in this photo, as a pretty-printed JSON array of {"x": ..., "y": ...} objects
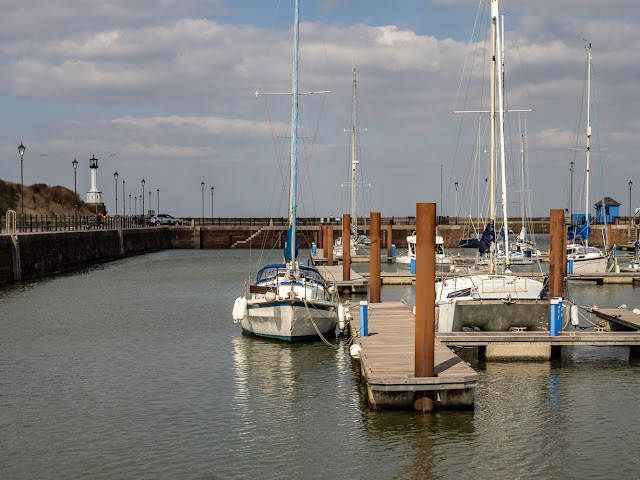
[{"x": 165, "y": 91}]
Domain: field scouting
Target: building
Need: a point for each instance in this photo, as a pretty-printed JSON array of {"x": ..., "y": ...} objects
[{"x": 611, "y": 211}]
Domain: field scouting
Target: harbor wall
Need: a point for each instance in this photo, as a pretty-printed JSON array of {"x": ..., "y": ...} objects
[{"x": 31, "y": 255}]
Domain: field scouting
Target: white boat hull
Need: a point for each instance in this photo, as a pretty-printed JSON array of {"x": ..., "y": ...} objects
[
  {"x": 589, "y": 265},
  {"x": 290, "y": 320}
]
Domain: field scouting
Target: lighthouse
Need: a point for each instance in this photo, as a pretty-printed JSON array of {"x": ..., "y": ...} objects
[{"x": 94, "y": 196}]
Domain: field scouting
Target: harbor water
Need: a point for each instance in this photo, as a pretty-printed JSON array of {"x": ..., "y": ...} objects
[{"x": 135, "y": 369}]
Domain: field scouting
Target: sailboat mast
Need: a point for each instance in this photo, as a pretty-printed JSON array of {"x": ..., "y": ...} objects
[
  {"x": 503, "y": 169},
  {"x": 294, "y": 143},
  {"x": 354, "y": 161},
  {"x": 492, "y": 202},
  {"x": 586, "y": 198}
]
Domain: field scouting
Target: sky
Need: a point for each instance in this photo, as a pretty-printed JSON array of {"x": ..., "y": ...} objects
[{"x": 165, "y": 91}]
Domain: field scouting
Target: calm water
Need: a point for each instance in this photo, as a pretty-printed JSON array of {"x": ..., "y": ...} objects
[{"x": 136, "y": 370}]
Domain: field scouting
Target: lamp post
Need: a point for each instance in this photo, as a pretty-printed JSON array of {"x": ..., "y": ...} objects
[
  {"x": 21, "y": 149},
  {"x": 149, "y": 199},
  {"x": 202, "y": 186},
  {"x": 115, "y": 177},
  {"x": 130, "y": 204},
  {"x": 135, "y": 205},
  {"x": 75, "y": 185},
  {"x": 456, "y": 184},
  {"x": 571, "y": 194},
  {"x": 158, "y": 192},
  {"x": 211, "y": 205},
  {"x": 630, "y": 185},
  {"x": 142, "y": 201},
  {"x": 124, "y": 200}
]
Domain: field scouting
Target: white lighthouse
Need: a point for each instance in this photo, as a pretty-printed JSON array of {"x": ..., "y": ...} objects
[{"x": 94, "y": 196}]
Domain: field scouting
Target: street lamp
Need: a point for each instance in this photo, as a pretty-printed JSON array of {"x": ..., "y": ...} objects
[
  {"x": 124, "y": 200},
  {"x": 571, "y": 194},
  {"x": 456, "y": 184},
  {"x": 75, "y": 189},
  {"x": 142, "y": 199},
  {"x": 211, "y": 205},
  {"x": 149, "y": 199},
  {"x": 115, "y": 177},
  {"x": 21, "y": 149},
  {"x": 135, "y": 204},
  {"x": 630, "y": 185},
  {"x": 202, "y": 185},
  {"x": 158, "y": 192}
]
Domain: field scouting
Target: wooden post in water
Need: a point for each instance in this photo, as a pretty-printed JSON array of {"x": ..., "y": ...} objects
[
  {"x": 321, "y": 236},
  {"x": 557, "y": 251},
  {"x": 346, "y": 247},
  {"x": 374, "y": 258},
  {"x": 329, "y": 245},
  {"x": 389, "y": 240},
  {"x": 425, "y": 300}
]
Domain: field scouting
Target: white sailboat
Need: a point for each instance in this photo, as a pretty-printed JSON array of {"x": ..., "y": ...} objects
[
  {"x": 359, "y": 243},
  {"x": 287, "y": 301},
  {"x": 441, "y": 257},
  {"x": 582, "y": 258},
  {"x": 468, "y": 298}
]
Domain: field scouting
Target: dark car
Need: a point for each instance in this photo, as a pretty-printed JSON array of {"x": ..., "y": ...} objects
[{"x": 164, "y": 219}]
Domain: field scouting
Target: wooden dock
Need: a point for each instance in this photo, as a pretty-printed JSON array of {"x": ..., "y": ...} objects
[
  {"x": 356, "y": 284},
  {"x": 387, "y": 362},
  {"x": 617, "y": 318},
  {"x": 483, "y": 339},
  {"x": 606, "y": 278}
]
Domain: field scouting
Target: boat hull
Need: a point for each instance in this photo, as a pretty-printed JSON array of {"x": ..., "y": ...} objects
[
  {"x": 290, "y": 320},
  {"x": 590, "y": 265}
]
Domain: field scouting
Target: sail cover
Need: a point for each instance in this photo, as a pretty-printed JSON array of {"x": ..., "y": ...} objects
[
  {"x": 287, "y": 247},
  {"x": 484, "y": 244},
  {"x": 579, "y": 233}
]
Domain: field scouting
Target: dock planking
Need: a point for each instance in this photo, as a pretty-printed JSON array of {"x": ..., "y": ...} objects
[
  {"x": 619, "y": 316},
  {"x": 357, "y": 283},
  {"x": 387, "y": 361}
]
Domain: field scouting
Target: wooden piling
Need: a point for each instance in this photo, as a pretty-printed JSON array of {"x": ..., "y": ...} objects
[
  {"x": 329, "y": 245},
  {"x": 557, "y": 251},
  {"x": 374, "y": 258},
  {"x": 346, "y": 247},
  {"x": 425, "y": 299},
  {"x": 389, "y": 239},
  {"x": 321, "y": 236}
]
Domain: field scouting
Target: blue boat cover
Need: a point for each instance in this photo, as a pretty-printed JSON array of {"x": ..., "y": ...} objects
[
  {"x": 484, "y": 244},
  {"x": 579, "y": 233}
]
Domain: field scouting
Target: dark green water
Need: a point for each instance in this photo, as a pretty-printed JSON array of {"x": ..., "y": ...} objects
[{"x": 136, "y": 370}]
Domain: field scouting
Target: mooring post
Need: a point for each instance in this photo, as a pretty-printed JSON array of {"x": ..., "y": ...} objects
[
  {"x": 364, "y": 318},
  {"x": 321, "y": 236},
  {"x": 374, "y": 258},
  {"x": 329, "y": 245},
  {"x": 556, "y": 246},
  {"x": 390, "y": 253},
  {"x": 425, "y": 300},
  {"x": 346, "y": 247}
]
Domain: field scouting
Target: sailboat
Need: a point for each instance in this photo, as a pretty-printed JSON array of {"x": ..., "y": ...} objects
[
  {"x": 287, "y": 301},
  {"x": 582, "y": 258},
  {"x": 478, "y": 300},
  {"x": 441, "y": 257},
  {"x": 359, "y": 242}
]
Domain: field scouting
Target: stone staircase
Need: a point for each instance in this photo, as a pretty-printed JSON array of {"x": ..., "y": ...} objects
[{"x": 247, "y": 240}]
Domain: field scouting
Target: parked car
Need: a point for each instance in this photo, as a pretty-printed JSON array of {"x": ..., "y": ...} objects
[{"x": 164, "y": 219}]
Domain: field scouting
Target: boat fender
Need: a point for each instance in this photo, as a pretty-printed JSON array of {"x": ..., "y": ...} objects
[
  {"x": 270, "y": 296},
  {"x": 332, "y": 290},
  {"x": 341, "y": 317},
  {"x": 636, "y": 311},
  {"x": 575, "y": 319},
  {"x": 239, "y": 309},
  {"x": 354, "y": 350}
]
